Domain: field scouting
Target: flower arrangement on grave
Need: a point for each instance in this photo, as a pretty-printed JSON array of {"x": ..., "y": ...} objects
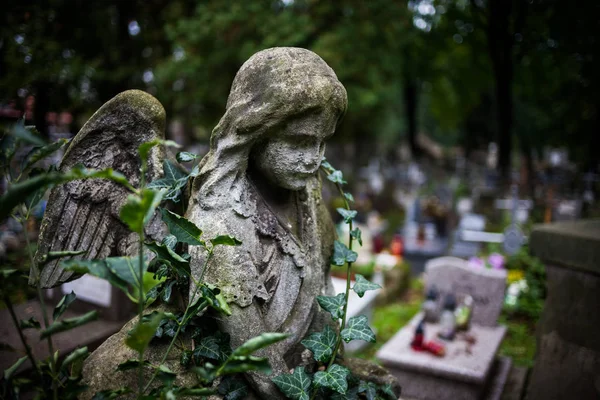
[{"x": 492, "y": 261}]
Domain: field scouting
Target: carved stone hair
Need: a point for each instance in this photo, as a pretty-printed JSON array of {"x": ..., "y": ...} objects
[{"x": 272, "y": 87}]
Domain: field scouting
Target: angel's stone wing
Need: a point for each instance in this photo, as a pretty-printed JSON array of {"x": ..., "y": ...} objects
[{"x": 84, "y": 215}]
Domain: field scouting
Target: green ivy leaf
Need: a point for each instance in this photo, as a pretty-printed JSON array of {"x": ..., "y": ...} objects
[
  {"x": 351, "y": 394},
  {"x": 197, "y": 306},
  {"x": 30, "y": 323},
  {"x": 185, "y": 156},
  {"x": 342, "y": 254},
  {"x": 62, "y": 305},
  {"x": 144, "y": 148},
  {"x": 75, "y": 355},
  {"x": 186, "y": 358},
  {"x": 321, "y": 344},
  {"x": 233, "y": 389},
  {"x": 27, "y": 133},
  {"x": 132, "y": 363},
  {"x": 138, "y": 210},
  {"x": 167, "y": 291},
  {"x": 184, "y": 230},
  {"x": 349, "y": 197},
  {"x": 172, "y": 171},
  {"x": 205, "y": 374},
  {"x": 325, "y": 164},
  {"x": 348, "y": 215},
  {"x": 388, "y": 392},
  {"x": 358, "y": 329},
  {"x": 170, "y": 241},
  {"x": 69, "y": 323},
  {"x": 97, "y": 268},
  {"x": 22, "y": 190},
  {"x": 333, "y": 304},
  {"x": 209, "y": 347},
  {"x": 81, "y": 172},
  {"x": 225, "y": 240},
  {"x": 39, "y": 153},
  {"x": 9, "y": 372},
  {"x": 53, "y": 255},
  {"x": 212, "y": 295},
  {"x": 240, "y": 364},
  {"x": 139, "y": 337},
  {"x": 357, "y": 235},
  {"x": 172, "y": 188},
  {"x": 294, "y": 386},
  {"x": 168, "y": 256},
  {"x": 127, "y": 269},
  {"x": 337, "y": 177},
  {"x": 369, "y": 389},
  {"x": 165, "y": 375},
  {"x": 258, "y": 342},
  {"x": 333, "y": 378},
  {"x": 362, "y": 285}
]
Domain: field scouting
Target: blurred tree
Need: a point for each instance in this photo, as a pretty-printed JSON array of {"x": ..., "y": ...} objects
[
  {"x": 77, "y": 54},
  {"x": 362, "y": 41}
]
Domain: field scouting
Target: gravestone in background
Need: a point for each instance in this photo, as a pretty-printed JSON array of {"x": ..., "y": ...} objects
[
  {"x": 486, "y": 286},
  {"x": 460, "y": 374},
  {"x": 95, "y": 294},
  {"x": 567, "y": 362},
  {"x": 567, "y": 210},
  {"x": 464, "y": 248}
]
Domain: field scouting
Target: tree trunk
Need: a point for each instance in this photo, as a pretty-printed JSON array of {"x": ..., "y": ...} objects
[
  {"x": 42, "y": 106},
  {"x": 500, "y": 47},
  {"x": 410, "y": 106}
]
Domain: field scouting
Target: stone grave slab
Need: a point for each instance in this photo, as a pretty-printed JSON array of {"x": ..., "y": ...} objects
[
  {"x": 458, "y": 375},
  {"x": 465, "y": 372},
  {"x": 486, "y": 286},
  {"x": 95, "y": 294}
]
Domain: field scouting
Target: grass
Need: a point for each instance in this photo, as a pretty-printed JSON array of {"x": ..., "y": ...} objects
[
  {"x": 390, "y": 318},
  {"x": 519, "y": 342}
]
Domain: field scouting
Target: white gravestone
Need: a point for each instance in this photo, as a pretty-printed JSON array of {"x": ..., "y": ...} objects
[{"x": 91, "y": 289}]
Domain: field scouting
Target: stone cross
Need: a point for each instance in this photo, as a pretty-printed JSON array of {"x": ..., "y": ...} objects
[{"x": 512, "y": 238}]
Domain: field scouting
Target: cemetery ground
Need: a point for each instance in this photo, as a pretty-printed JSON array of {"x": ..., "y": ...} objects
[
  {"x": 390, "y": 314},
  {"x": 393, "y": 311}
]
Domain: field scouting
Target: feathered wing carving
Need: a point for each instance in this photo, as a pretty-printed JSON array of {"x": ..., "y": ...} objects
[{"x": 84, "y": 214}]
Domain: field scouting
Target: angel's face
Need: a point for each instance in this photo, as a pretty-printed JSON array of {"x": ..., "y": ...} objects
[{"x": 293, "y": 154}]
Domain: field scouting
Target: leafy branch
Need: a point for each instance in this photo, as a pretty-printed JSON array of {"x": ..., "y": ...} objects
[{"x": 333, "y": 379}]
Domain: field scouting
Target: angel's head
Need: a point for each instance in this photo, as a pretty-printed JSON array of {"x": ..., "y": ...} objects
[{"x": 284, "y": 102}]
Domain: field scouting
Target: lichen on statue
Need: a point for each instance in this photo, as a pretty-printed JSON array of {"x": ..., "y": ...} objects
[{"x": 259, "y": 183}]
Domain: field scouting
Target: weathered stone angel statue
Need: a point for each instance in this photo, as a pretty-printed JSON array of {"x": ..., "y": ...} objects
[{"x": 258, "y": 183}]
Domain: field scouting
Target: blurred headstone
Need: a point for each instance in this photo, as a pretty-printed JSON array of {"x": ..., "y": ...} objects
[
  {"x": 466, "y": 371},
  {"x": 95, "y": 294}
]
